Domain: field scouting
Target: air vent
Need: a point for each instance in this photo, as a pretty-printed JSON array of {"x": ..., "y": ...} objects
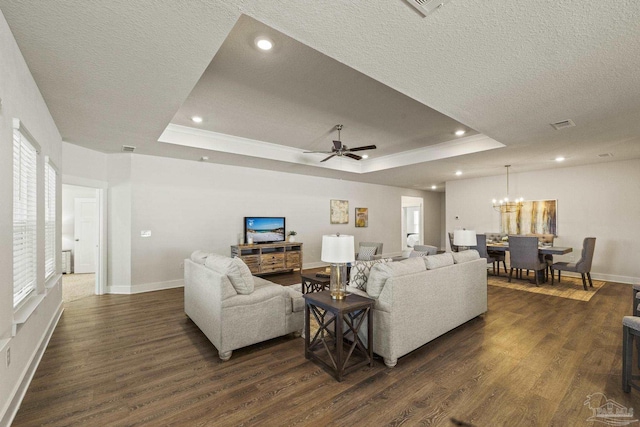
[
  {"x": 563, "y": 124},
  {"x": 603, "y": 155},
  {"x": 425, "y": 7},
  {"x": 128, "y": 148}
]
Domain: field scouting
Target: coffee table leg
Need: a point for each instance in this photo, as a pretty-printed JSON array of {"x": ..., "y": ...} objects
[
  {"x": 339, "y": 346},
  {"x": 307, "y": 331},
  {"x": 370, "y": 335}
]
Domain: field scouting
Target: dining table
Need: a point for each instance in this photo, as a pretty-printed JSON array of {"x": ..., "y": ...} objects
[{"x": 542, "y": 250}]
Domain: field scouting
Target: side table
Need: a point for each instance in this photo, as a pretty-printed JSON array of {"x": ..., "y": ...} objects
[
  {"x": 313, "y": 283},
  {"x": 327, "y": 346}
]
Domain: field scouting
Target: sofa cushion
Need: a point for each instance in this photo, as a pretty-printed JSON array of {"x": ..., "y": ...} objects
[
  {"x": 381, "y": 272},
  {"x": 235, "y": 269},
  {"x": 366, "y": 252},
  {"x": 438, "y": 261},
  {"x": 199, "y": 256},
  {"x": 465, "y": 256},
  {"x": 360, "y": 272}
]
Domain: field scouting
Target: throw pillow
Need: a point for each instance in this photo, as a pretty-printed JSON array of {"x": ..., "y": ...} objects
[
  {"x": 366, "y": 252},
  {"x": 415, "y": 253},
  {"x": 438, "y": 261},
  {"x": 235, "y": 269},
  {"x": 360, "y": 272},
  {"x": 381, "y": 272},
  {"x": 465, "y": 256}
]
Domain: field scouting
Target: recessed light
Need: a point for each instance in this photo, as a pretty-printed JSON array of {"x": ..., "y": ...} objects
[
  {"x": 460, "y": 132},
  {"x": 559, "y": 159},
  {"x": 196, "y": 119},
  {"x": 433, "y": 187},
  {"x": 458, "y": 173},
  {"x": 365, "y": 156},
  {"x": 264, "y": 43}
]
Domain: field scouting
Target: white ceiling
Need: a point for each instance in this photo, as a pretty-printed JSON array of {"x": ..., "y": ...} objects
[{"x": 120, "y": 72}]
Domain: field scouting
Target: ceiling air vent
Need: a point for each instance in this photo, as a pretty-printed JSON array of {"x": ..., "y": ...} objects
[
  {"x": 605, "y": 155},
  {"x": 563, "y": 124},
  {"x": 425, "y": 7},
  {"x": 128, "y": 148}
]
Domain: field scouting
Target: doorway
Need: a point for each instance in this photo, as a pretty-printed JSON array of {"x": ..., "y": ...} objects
[
  {"x": 80, "y": 241},
  {"x": 412, "y": 221}
]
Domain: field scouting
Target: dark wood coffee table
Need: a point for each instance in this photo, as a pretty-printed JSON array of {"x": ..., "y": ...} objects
[
  {"x": 335, "y": 347},
  {"x": 313, "y": 283}
]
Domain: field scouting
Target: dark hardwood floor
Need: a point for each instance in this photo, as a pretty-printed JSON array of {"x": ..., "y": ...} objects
[{"x": 532, "y": 360}]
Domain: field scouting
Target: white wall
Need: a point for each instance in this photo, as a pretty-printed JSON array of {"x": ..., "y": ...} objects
[
  {"x": 599, "y": 200},
  {"x": 191, "y": 205},
  {"x": 21, "y": 99}
]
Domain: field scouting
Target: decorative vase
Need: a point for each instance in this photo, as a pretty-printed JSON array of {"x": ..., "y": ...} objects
[{"x": 292, "y": 239}]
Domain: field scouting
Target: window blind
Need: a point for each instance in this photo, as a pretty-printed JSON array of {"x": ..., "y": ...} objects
[
  {"x": 25, "y": 159},
  {"x": 49, "y": 219}
]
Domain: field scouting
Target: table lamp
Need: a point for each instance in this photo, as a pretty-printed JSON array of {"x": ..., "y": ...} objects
[
  {"x": 464, "y": 238},
  {"x": 338, "y": 250}
]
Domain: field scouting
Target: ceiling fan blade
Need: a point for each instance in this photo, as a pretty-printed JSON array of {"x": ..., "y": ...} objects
[
  {"x": 365, "y": 147},
  {"x": 322, "y": 152},
  {"x": 324, "y": 160},
  {"x": 353, "y": 156},
  {"x": 337, "y": 145}
]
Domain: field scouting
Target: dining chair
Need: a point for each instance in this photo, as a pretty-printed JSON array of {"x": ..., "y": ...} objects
[
  {"x": 454, "y": 248},
  {"x": 481, "y": 247},
  {"x": 499, "y": 256},
  {"x": 545, "y": 240},
  {"x": 523, "y": 251},
  {"x": 582, "y": 266}
]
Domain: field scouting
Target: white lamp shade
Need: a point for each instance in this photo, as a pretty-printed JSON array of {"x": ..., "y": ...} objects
[
  {"x": 464, "y": 238},
  {"x": 338, "y": 249}
]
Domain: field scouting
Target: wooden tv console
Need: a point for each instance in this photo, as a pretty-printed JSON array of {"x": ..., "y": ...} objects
[{"x": 267, "y": 258}]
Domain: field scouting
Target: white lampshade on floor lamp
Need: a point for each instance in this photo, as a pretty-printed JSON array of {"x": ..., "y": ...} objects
[
  {"x": 338, "y": 250},
  {"x": 464, "y": 238}
]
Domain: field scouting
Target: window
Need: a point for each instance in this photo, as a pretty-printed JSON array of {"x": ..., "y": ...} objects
[
  {"x": 25, "y": 160},
  {"x": 49, "y": 219}
]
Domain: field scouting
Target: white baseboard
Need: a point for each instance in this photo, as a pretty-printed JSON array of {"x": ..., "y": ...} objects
[
  {"x": 145, "y": 287},
  {"x": 21, "y": 389},
  {"x": 606, "y": 277}
]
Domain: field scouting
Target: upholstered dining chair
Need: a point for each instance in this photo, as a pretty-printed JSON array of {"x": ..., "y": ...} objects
[
  {"x": 582, "y": 266},
  {"x": 454, "y": 248},
  {"x": 365, "y": 253},
  {"x": 545, "y": 240},
  {"x": 481, "y": 247},
  {"x": 499, "y": 256},
  {"x": 523, "y": 251}
]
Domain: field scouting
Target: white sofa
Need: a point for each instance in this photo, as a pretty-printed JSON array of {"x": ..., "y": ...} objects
[
  {"x": 419, "y": 299},
  {"x": 235, "y": 309}
]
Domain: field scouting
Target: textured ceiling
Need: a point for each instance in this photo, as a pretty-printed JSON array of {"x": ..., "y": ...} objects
[{"x": 119, "y": 72}]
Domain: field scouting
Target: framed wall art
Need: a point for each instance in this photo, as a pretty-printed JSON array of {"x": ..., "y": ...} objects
[
  {"x": 533, "y": 217},
  {"x": 362, "y": 217},
  {"x": 339, "y": 211}
]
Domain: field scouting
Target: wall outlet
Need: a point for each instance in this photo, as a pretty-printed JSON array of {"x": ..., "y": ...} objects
[{"x": 8, "y": 357}]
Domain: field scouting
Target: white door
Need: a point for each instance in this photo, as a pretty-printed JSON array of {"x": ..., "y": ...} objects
[{"x": 85, "y": 235}]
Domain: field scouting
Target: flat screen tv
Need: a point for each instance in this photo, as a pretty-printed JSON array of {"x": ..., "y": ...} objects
[{"x": 264, "y": 229}]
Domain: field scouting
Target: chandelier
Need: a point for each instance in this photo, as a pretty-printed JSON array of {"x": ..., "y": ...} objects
[{"x": 505, "y": 205}]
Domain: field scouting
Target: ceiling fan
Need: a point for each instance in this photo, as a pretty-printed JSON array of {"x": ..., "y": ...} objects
[{"x": 340, "y": 150}]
